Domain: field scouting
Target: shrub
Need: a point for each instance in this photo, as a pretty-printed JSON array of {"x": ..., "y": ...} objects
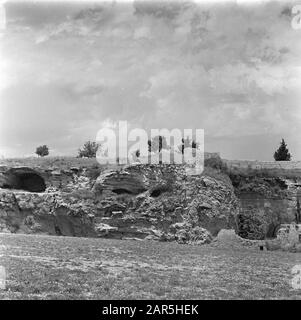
[
  {"x": 215, "y": 163},
  {"x": 29, "y": 221},
  {"x": 89, "y": 150},
  {"x": 187, "y": 143},
  {"x": 251, "y": 225},
  {"x": 218, "y": 175},
  {"x": 42, "y": 151},
  {"x": 157, "y": 144}
]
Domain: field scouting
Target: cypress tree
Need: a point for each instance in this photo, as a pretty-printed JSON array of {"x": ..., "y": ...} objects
[{"x": 282, "y": 153}]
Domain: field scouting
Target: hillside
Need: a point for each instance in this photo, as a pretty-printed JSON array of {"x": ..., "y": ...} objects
[
  {"x": 139, "y": 201},
  {"x": 78, "y": 197}
]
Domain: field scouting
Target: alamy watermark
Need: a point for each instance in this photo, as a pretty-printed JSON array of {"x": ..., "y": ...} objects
[
  {"x": 296, "y": 20},
  {"x": 2, "y": 16},
  {"x": 296, "y": 280},
  {"x": 2, "y": 278},
  {"x": 136, "y": 146}
]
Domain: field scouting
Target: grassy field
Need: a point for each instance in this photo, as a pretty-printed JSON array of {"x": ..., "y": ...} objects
[
  {"x": 48, "y": 267},
  {"x": 50, "y": 162}
]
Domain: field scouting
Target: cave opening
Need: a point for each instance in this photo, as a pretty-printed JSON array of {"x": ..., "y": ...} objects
[
  {"x": 159, "y": 189},
  {"x": 27, "y": 180},
  {"x": 121, "y": 191},
  {"x": 155, "y": 193},
  {"x": 32, "y": 182}
]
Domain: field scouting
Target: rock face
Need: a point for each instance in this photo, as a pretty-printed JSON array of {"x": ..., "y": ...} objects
[
  {"x": 229, "y": 239},
  {"x": 265, "y": 204},
  {"x": 289, "y": 234},
  {"x": 157, "y": 202},
  {"x": 162, "y": 202}
]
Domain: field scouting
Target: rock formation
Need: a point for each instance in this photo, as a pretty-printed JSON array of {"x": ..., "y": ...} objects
[
  {"x": 144, "y": 202},
  {"x": 157, "y": 202},
  {"x": 265, "y": 203}
]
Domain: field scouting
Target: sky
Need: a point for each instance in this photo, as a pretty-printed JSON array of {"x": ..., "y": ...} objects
[{"x": 231, "y": 68}]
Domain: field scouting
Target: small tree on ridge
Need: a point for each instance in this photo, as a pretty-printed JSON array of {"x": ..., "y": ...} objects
[
  {"x": 282, "y": 153},
  {"x": 89, "y": 150},
  {"x": 42, "y": 151}
]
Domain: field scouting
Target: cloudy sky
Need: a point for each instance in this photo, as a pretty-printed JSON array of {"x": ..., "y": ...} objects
[{"x": 69, "y": 69}]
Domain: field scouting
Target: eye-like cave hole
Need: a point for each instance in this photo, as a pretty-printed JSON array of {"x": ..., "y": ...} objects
[
  {"x": 121, "y": 191},
  {"x": 155, "y": 193},
  {"x": 24, "y": 179},
  {"x": 32, "y": 182}
]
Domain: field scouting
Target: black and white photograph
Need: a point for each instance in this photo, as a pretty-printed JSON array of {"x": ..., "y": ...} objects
[{"x": 150, "y": 150}]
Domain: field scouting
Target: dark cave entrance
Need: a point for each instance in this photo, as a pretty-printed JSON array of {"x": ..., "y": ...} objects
[
  {"x": 122, "y": 191},
  {"x": 156, "y": 193},
  {"x": 24, "y": 179},
  {"x": 158, "y": 190},
  {"x": 32, "y": 182}
]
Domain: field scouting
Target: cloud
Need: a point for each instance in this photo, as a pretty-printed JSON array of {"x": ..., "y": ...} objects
[{"x": 231, "y": 69}]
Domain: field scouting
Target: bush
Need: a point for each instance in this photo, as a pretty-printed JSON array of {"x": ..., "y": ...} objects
[
  {"x": 157, "y": 144},
  {"x": 215, "y": 167},
  {"x": 29, "y": 221},
  {"x": 215, "y": 163},
  {"x": 42, "y": 151},
  {"x": 251, "y": 226},
  {"x": 89, "y": 150},
  {"x": 218, "y": 175}
]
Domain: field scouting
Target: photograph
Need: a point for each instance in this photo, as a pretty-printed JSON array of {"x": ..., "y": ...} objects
[{"x": 150, "y": 155}]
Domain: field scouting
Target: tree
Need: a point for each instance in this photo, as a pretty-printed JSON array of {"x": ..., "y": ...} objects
[
  {"x": 42, "y": 151},
  {"x": 282, "y": 153},
  {"x": 89, "y": 150},
  {"x": 298, "y": 213},
  {"x": 187, "y": 143},
  {"x": 157, "y": 144}
]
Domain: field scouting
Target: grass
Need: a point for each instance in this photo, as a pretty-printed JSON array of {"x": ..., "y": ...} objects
[
  {"x": 264, "y": 172},
  {"x": 51, "y": 162},
  {"x": 48, "y": 267},
  {"x": 61, "y": 163}
]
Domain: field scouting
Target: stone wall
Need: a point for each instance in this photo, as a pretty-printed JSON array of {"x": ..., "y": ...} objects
[{"x": 255, "y": 164}]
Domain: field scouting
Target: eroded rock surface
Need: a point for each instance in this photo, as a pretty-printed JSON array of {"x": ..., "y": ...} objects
[
  {"x": 265, "y": 203},
  {"x": 157, "y": 202}
]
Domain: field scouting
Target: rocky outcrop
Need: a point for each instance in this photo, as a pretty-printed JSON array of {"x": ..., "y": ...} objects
[
  {"x": 157, "y": 202},
  {"x": 265, "y": 203},
  {"x": 229, "y": 239}
]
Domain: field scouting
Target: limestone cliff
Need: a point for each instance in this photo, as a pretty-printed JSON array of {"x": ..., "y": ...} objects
[
  {"x": 142, "y": 201},
  {"x": 265, "y": 202}
]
